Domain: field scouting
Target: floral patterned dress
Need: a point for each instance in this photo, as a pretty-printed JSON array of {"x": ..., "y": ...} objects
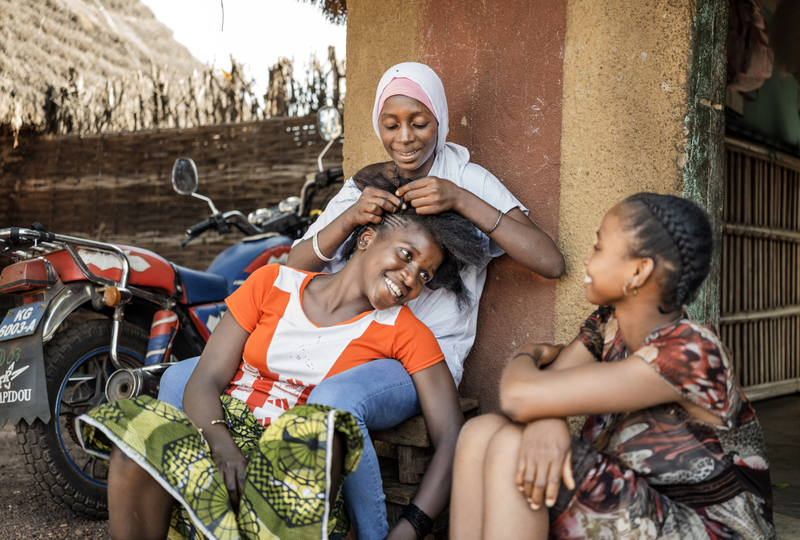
[{"x": 660, "y": 472}]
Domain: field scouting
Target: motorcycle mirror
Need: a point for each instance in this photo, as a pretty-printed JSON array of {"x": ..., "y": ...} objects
[
  {"x": 329, "y": 123},
  {"x": 184, "y": 176}
]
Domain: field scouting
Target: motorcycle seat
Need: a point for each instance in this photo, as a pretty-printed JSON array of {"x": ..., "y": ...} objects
[{"x": 202, "y": 287}]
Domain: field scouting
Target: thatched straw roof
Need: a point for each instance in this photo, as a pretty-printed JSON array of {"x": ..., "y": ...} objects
[{"x": 63, "y": 43}]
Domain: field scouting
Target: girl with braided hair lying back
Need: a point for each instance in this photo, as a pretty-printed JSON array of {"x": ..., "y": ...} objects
[
  {"x": 248, "y": 459},
  {"x": 673, "y": 449}
]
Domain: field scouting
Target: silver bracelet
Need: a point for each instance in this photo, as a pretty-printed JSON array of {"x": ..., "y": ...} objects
[
  {"x": 496, "y": 223},
  {"x": 317, "y": 251}
]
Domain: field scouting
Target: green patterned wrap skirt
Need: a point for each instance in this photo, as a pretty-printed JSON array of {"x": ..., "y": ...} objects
[{"x": 285, "y": 495}]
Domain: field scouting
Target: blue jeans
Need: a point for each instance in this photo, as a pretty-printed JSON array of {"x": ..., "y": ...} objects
[
  {"x": 173, "y": 382},
  {"x": 379, "y": 394}
]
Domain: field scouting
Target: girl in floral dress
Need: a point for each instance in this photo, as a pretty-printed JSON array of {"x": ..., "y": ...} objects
[{"x": 671, "y": 449}]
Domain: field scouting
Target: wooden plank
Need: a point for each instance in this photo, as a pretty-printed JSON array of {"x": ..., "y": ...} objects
[
  {"x": 385, "y": 449},
  {"x": 414, "y": 432},
  {"x": 760, "y": 315},
  {"x": 398, "y": 493},
  {"x": 764, "y": 152},
  {"x": 772, "y": 389},
  {"x": 750, "y": 231},
  {"x": 703, "y": 173},
  {"x": 412, "y": 463}
]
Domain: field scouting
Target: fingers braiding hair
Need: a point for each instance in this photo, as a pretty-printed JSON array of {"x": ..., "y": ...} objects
[{"x": 456, "y": 235}]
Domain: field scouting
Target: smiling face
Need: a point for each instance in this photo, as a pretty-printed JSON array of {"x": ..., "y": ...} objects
[
  {"x": 397, "y": 263},
  {"x": 608, "y": 264},
  {"x": 408, "y": 130}
]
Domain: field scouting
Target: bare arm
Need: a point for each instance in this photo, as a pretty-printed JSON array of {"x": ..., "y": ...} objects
[
  {"x": 367, "y": 209},
  {"x": 519, "y": 237},
  {"x": 528, "y": 393},
  {"x": 442, "y": 410},
  {"x": 329, "y": 239},
  {"x": 515, "y": 233},
  {"x": 214, "y": 372}
]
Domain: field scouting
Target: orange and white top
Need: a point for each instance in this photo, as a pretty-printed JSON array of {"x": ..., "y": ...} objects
[{"x": 287, "y": 355}]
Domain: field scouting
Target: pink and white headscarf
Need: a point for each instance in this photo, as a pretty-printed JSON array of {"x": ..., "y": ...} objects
[{"x": 451, "y": 158}]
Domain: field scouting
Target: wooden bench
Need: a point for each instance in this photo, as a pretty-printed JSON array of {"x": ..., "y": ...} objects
[{"x": 404, "y": 452}]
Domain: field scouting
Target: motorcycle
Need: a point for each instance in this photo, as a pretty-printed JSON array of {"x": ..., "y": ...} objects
[{"x": 96, "y": 321}]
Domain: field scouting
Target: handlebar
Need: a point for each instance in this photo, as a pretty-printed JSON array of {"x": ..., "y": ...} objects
[
  {"x": 200, "y": 228},
  {"x": 325, "y": 178},
  {"x": 221, "y": 223},
  {"x": 289, "y": 223}
]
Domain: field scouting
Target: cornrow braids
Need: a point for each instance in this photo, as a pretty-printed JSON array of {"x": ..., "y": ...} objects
[
  {"x": 676, "y": 234},
  {"x": 456, "y": 235}
]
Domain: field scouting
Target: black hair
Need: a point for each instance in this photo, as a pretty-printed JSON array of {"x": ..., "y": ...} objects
[
  {"x": 677, "y": 235},
  {"x": 457, "y": 237},
  {"x": 371, "y": 176}
]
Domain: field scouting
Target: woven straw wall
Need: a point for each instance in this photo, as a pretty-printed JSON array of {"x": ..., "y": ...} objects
[{"x": 116, "y": 187}]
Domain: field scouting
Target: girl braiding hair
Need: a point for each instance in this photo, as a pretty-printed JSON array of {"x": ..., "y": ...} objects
[{"x": 671, "y": 447}]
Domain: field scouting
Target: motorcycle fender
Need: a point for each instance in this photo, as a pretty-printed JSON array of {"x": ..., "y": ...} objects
[
  {"x": 23, "y": 384},
  {"x": 63, "y": 302}
]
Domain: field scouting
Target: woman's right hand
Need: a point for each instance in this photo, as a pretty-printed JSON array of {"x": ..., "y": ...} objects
[
  {"x": 216, "y": 369},
  {"x": 545, "y": 458},
  {"x": 232, "y": 464},
  {"x": 370, "y": 207}
]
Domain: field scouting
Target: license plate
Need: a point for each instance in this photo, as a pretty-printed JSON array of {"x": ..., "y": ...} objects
[{"x": 22, "y": 321}]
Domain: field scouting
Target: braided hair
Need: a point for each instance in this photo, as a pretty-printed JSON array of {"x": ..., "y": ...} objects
[
  {"x": 676, "y": 234},
  {"x": 456, "y": 235}
]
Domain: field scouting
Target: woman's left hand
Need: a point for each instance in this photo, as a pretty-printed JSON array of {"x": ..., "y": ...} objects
[
  {"x": 545, "y": 459},
  {"x": 431, "y": 195}
]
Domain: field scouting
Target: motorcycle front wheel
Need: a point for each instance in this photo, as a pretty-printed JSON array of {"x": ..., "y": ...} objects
[{"x": 78, "y": 366}]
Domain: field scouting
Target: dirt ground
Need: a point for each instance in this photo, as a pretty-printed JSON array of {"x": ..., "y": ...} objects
[{"x": 27, "y": 511}]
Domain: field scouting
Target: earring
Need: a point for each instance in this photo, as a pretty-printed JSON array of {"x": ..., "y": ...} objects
[
  {"x": 395, "y": 168},
  {"x": 625, "y": 289}
]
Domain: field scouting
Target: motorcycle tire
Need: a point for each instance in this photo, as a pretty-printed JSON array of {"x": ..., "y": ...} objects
[{"x": 77, "y": 367}]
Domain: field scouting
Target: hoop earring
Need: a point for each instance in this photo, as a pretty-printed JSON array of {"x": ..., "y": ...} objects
[{"x": 625, "y": 290}]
